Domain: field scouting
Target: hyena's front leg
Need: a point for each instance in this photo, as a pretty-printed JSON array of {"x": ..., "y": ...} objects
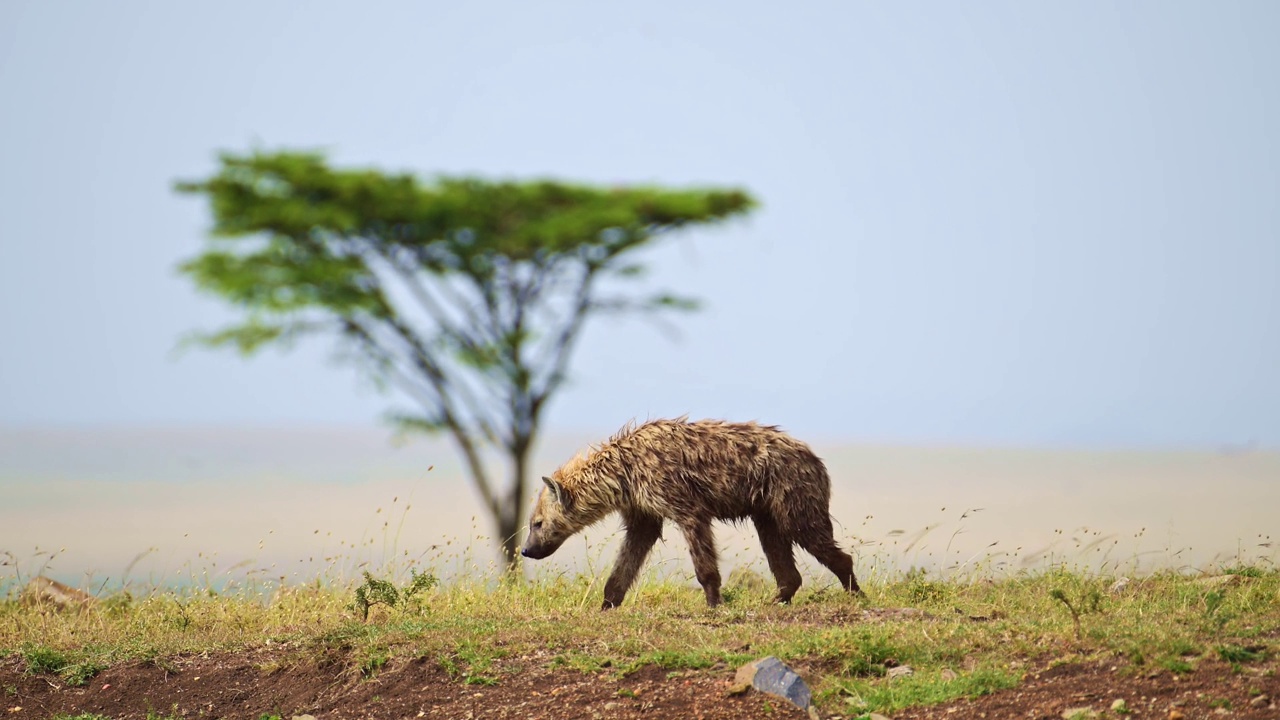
[
  {"x": 706, "y": 563},
  {"x": 642, "y": 533}
]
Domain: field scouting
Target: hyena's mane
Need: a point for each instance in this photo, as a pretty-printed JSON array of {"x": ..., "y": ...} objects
[
  {"x": 600, "y": 475},
  {"x": 594, "y": 477},
  {"x": 631, "y": 432}
]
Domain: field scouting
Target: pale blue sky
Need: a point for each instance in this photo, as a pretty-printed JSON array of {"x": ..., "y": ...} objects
[{"x": 1003, "y": 223}]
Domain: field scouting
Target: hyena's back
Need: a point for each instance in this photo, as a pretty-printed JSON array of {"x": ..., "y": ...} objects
[{"x": 725, "y": 471}]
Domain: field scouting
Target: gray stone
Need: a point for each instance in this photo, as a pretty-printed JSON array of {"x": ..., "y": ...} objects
[
  {"x": 900, "y": 671},
  {"x": 771, "y": 675}
]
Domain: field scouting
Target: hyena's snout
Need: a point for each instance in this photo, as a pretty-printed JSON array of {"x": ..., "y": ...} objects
[
  {"x": 539, "y": 545},
  {"x": 534, "y": 552}
]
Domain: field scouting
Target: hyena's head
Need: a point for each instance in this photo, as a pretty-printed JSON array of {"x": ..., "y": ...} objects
[{"x": 552, "y": 521}]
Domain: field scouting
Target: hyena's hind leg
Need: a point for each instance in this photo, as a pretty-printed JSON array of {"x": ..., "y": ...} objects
[
  {"x": 820, "y": 542},
  {"x": 642, "y": 533},
  {"x": 782, "y": 561},
  {"x": 706, "y": 561}
]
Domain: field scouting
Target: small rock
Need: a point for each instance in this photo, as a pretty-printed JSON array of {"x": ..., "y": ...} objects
[
  {"x": 900, "y": 671},
  {"x": 948, "y": 674},
  {"x": 1259, "y": 701},
  {"x": 1120, "y": 706},
  {"x": 304, "y": 717},
  {"x": 1119, "y": 586},
  {"x": 877, "y": 716},
  {"x": 1176, "y": 714},
  {"x": 48, "y": 592},
  {"x": 1079, "y": 713},
  {"x": 770, "y": 675},
  {"x": 743, "y": 679}
]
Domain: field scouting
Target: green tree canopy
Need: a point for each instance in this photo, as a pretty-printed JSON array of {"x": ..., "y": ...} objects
[{"x": 465, "y": 294}]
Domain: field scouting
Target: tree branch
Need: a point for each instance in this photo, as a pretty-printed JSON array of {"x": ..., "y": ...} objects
[
  {"x": 448, "y": 416},
  {"x": 563, "y": 345}
]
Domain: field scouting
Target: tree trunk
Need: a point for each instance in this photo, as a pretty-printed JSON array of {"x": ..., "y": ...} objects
[
  {"x": 508, "y": 530},
  {"x": 511, "y": 518}
]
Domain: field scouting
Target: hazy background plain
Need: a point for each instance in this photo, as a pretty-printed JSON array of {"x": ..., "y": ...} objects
[
  {"x": 244, "y": 506},
  {"x": 1041, "y": 227}
]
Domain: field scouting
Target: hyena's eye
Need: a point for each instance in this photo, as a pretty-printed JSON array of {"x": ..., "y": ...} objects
[{"x": 537, "y": 524}]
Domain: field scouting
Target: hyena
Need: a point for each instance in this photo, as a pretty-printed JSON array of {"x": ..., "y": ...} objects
[{"x": 692, "y": 473}]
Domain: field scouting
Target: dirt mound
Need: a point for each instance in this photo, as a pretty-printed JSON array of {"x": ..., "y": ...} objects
[
  {"x": 269, "y": 682},
  {"x": 250, "y": 685}
]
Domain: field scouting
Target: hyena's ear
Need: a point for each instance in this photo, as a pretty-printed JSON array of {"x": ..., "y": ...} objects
[{"x": 562, "y": 495}]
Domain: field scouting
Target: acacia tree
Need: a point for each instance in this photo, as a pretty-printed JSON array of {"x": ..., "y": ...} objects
[{"x": 465, "y": 295}]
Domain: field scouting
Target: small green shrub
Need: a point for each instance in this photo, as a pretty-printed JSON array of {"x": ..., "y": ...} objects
[
  {"x": 41, "y": 659},
  {"x": 384, "y": 592}
]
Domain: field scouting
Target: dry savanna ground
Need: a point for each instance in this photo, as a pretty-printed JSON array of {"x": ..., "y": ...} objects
[{"x": 1045, "y": 644}]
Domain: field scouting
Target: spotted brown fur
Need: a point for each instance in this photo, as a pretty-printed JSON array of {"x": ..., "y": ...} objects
[{"x": 692, "y": 473}]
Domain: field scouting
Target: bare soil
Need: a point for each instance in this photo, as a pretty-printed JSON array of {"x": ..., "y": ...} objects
[{"x": 277, "y": 682}]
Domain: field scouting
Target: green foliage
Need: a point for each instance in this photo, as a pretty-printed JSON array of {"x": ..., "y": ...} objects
[
  {"x": 855, "y": 652},
  {"x": 1216, "y": 611},
  {"x": 922, "y": 689},
  {"x": 921, "y": 590},
  {"x": 1249, "y": 571},
  {"x": 374, "y": 592},
  {"x": 41, "y": 659},
  {"x": 420, "y": 582},
  {"x": 373, "y": 661},
  {"x": 383, "y": 592},
  {"x": 79, "y": 674},
  {"x": 693, "y": 659},
  {"x": 117, "y": 603},
  {"x": 1178, "y": 666},
  {"x": 1239, "y": 654},
  {"x": 466, "y": 295},
  {"x": 1090, "y": 601}
]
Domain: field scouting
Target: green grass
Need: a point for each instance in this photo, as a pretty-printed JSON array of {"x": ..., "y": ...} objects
[{"x": 962, "y": 638}]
